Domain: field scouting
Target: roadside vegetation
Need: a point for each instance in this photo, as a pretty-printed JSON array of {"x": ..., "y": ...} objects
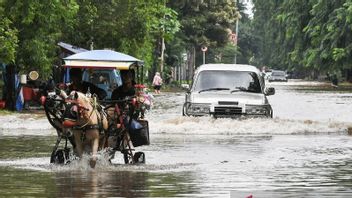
[
  {"x": 6, "y": 112},
  {"x": 310, "y": 38}
]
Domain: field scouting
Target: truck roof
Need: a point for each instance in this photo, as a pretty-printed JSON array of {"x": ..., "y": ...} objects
[{"x": 231, "y": 67}]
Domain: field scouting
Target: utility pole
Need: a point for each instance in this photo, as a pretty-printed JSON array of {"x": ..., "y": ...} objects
[
  {"x": 236, "y": 41},
  {"x": 162, "y": 54},
  {"x": 236, "y": 36},
  {"x": 203, "y": 58},
  {"x": 204, "y": 49},
  {"x": 162, "y": 47}
]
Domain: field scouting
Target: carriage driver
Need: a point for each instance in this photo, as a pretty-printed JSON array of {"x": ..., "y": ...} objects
[
  {"x": 82, "y": 86},
  {"x": 127, "y": 88}
]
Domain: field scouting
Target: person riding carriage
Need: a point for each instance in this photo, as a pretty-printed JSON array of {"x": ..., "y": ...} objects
[
  {"x": 127, "y": 88},
  {"x": 83, "y": 86},
  {"x": 79, "y": 116}
]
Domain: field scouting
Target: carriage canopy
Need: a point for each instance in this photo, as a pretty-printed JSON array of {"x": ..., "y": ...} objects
[{"x": 102, "y": 59}]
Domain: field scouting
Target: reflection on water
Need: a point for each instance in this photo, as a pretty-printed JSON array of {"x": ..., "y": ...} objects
[
  {"x": 303, "y": 152},
  {"x": 92, "y": 183},
  {"x": 122, "y": 184},
  {"x": 25, "y": 183},
  {"x": 199, "y": 165},
  {"x": 25, "y": 146}
]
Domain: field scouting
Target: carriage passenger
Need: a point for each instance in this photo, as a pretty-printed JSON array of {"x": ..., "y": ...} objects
[
  {"x": 127, "y": 88},
  {"x": 82, "y": 86}
]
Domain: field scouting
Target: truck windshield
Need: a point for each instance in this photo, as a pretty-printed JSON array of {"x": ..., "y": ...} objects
[{"x": 227, "y": 80}]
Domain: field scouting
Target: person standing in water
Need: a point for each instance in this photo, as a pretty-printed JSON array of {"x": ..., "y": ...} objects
[{"x": 157, "y": 82}]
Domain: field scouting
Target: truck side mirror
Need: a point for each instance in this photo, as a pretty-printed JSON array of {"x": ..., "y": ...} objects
[
  {"x": 269, "y": 91},
  {"x": 186, "y": 87}
]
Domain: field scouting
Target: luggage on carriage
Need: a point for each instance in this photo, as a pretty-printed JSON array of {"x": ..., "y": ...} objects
[{"x": 127, "y": 127}]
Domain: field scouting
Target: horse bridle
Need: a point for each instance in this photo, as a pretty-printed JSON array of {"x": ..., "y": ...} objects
[{"x": 74, "y": 104}]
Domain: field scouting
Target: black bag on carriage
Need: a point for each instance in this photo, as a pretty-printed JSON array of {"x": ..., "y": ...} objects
[{"x": 139, "y": 132}]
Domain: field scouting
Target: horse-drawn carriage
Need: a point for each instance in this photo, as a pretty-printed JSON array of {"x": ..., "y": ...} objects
[{"x": 91, "y": 125}]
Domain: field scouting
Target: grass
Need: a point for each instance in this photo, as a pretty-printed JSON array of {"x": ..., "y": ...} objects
[
  {"x": 342, "y": 87},
  {"x": 7, "y": 112}
]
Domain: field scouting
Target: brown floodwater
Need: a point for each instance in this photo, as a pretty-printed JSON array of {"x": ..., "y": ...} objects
[{"x": 304, "y": 151}]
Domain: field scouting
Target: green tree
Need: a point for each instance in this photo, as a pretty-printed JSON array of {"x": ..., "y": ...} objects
[
  {"x": 128, "y": 26},
  {"x": 8, "y": 38},
  {"x": 314, "y": 36},
  {"x": 204, "y": 23},
  {"x": 39, "y": 25},
  {"x": 8, "y": 41}
]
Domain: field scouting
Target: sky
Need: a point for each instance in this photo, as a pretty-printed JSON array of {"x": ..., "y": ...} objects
[{"x": 249, "y": 6}]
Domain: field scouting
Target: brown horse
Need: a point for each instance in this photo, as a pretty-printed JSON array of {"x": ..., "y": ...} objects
[{"x": 88, "y": 123}]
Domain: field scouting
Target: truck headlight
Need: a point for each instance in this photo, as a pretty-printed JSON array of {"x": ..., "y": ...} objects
[
  {"x": 257, "y": 109},
  {"x": 199, "y": 108}
]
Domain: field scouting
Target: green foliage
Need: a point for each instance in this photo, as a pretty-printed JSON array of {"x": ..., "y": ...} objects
[
  {"x": 166, "y": 23},
  {"x": 339, "y": 53},
  {"x": 31, "y": 29},
  {"x": 39, "y": 25},
  {"x": 8, "y": 41},
  {"x": 205, "y": 23},
  {"x": 304, "y": 34},
  {"x": 128, "y": 26},
  {"x": 222, "y": 55},
  {"x": 200, "y": 18}
]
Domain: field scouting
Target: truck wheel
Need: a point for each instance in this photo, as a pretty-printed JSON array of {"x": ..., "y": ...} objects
[{"x": 184, "y": 109}]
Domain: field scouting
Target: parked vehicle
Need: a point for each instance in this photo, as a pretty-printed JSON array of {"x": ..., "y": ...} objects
[
  {"x": 228, "y": 90},
  {"x": 267, "y": 75},
  {"x": 277, "y": 75}
]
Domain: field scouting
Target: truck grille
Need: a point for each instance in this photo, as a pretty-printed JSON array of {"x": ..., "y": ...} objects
[
  {"x": 227, "y": 103},
  {"x": 227, "y": 110}
]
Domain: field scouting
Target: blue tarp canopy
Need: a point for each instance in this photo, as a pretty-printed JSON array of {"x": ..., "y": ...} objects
[
  {"x": 100, "y": 59},
  {"x": 72, "y": 49}
]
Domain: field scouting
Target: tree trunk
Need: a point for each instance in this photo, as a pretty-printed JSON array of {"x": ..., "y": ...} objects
[
  {"x": 11, "y": 87},
  {"x": 349, "y": 75},
  {"x": 190, "y": 64}
]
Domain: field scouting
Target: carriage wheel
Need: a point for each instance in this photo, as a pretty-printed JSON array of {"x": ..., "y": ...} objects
[
  {"x": 60, "y": 156},
  {"x": 53, "y": 116},
  {"x": 137, "y": 158},
  {"x": 128, "y": 156}
]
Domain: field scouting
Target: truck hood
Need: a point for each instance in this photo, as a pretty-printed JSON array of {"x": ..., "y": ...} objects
[{"x": 240, "y": 97}]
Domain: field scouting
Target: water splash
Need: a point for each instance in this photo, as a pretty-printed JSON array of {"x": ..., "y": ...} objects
[{"x": 208, "y": 125}]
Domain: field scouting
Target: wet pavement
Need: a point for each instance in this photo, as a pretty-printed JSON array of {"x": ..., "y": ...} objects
[{"x": 304, "y": 151}]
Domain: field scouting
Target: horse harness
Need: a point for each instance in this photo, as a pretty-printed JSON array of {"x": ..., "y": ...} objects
[{"x": 86, "y": 126}]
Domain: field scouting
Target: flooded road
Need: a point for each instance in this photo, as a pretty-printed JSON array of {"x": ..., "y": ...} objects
[{"x": 304, "y": 151}]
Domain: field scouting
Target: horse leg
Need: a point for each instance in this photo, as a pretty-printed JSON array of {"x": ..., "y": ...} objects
[
  {"x": 77, "y": 136},
  {"x": 93, "y": 136},
  {"x": 103, "y": 143}
]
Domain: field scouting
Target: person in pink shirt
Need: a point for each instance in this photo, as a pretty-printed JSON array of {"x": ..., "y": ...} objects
[{"x": 157, "y": 82}]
